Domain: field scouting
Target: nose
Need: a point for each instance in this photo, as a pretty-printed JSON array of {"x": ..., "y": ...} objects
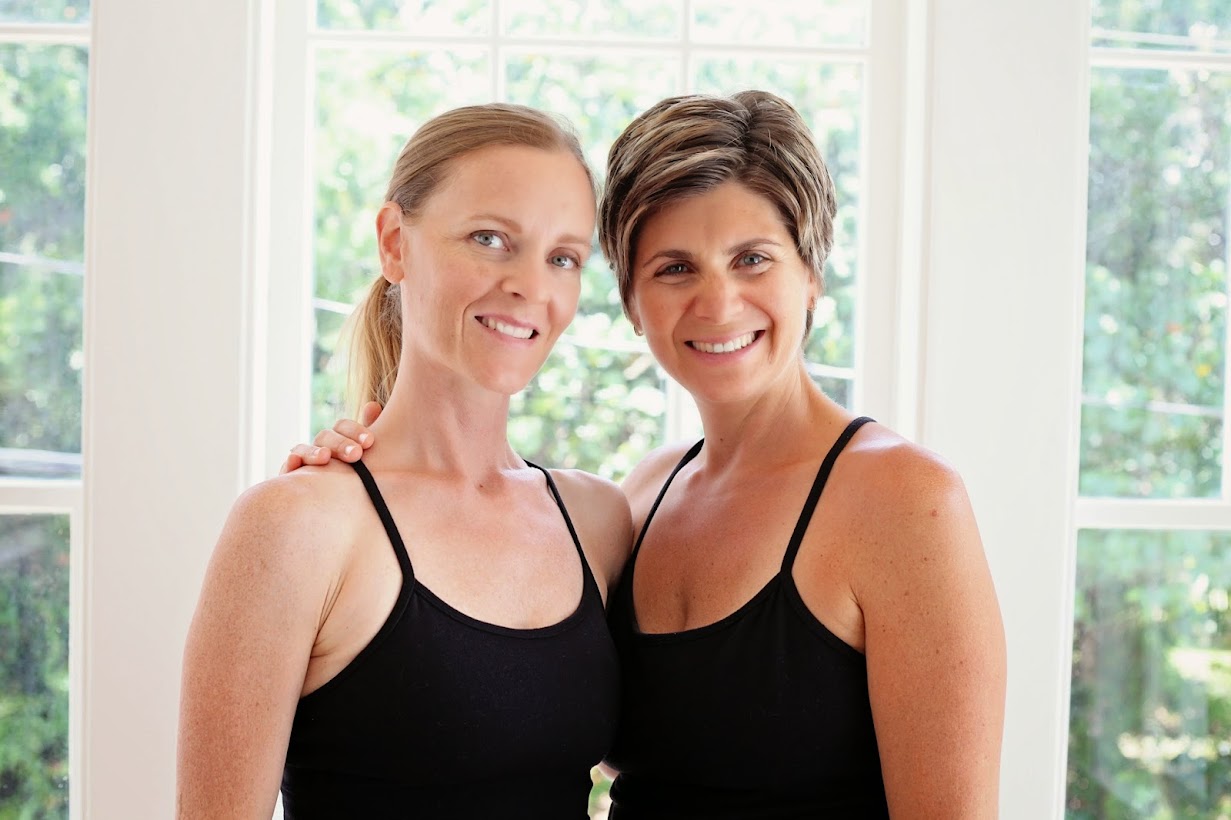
[
  {"x": 528, "y": 279},
  {"x": 718, "y": 300}
]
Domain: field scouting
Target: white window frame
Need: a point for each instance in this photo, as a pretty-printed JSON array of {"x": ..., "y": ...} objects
[
  {"x": 194, "y": 384},
  {"x": 294, "y": 123},
  {"x": 1210, "y": 515}
]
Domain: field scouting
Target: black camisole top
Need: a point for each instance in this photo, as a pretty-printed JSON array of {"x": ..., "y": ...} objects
[
  {"x": 763, "y": 714},
  {"x": 445, "y": 716}
]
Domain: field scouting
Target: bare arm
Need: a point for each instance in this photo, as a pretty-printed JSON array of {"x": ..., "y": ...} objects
[
  {"x": 248, "y": 648},
  {"x": 935, "y": 646}
]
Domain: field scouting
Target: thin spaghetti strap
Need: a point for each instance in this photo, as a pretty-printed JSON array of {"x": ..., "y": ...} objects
[
  {"x": 689, "y": 456},
  {"x": 391, "y": 529},
  {"x": 818, "y": 484},
  {"x": 568, "y": 520}
]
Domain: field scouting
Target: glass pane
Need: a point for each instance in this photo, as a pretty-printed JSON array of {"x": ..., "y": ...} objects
[
  {"x": 40, "y": 371},
  {"x": 1150, "y": 727},
  {"x": 615, "y": 19},
  {"x": 829, "y": 96},
  {"x": 599, "y": 96},
  {"x": 42, "y": 140},
  {"x": 34, "y": 666},
  {"x": 368, "y": 105},
  {"x": 1156, "y": 283},
  {"x": 329, "y": 369},
  {"x": 44, "y": 11},
  {"x": 805, "y": 23},
  {"x": 591, "y": 409},
  {"x": 1174, "y": 24},
  {"x": 415, "y": 17}
]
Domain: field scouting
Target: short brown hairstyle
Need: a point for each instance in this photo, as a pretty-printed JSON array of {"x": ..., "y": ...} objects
[{"x": 689, "y": 145}]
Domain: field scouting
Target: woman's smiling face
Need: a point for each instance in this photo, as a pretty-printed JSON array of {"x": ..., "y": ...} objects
[
  {"x": 722, "y": 294},
  {"x": 490, "y": 267}
]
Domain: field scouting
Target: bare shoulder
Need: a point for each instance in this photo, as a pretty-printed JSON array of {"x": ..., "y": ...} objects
[
  {"x": 646, "y": 479},
  {"x": 910, "y": 488},
  {"x": 289, "y": 534},
  {"x": 599, "y": 511},
  {"x": 935, "y": 643},
  {"x": 304, "y": 502}
]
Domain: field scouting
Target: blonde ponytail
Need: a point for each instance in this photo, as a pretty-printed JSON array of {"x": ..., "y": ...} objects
[{"x": 375, "y": 344}]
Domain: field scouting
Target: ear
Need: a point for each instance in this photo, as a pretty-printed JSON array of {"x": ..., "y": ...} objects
[
  {"x": 390, "y": 236},
  {"x": 815, "y": 290},
  {"x": 634, "y": 316}
]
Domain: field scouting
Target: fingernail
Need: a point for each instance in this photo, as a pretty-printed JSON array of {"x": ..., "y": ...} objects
[
  {"x": 349, "y": 449},
  {"x": 363, "y": 438},
  {"x": 316, "y": 451}
]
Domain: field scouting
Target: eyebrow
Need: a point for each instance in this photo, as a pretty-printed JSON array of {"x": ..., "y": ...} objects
[
  {"x": 515, "y": 226},
  {"x": 687, "y": 256}
]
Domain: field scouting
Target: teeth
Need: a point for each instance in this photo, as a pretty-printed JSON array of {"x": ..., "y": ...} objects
[
  {"x": 738, "y": 343},
  {"x": 508, "y": 330}
]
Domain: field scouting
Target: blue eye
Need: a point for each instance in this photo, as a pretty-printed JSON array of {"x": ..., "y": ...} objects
[
  {"x": 489, "y": 239},
  {"x": 674, "y": 269},
  {"x": 752, "y": 258},
  {"x": 564, "y": 261}
]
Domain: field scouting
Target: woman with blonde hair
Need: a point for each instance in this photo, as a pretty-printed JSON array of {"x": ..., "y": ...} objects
[
  {"x": 807, "y": 626},
  {"x": 422, "y": 633}
]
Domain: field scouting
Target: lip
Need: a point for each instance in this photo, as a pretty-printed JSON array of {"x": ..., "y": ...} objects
[
  {"x": 757, "y": 335},
  {"x": 508, "y": 322}
]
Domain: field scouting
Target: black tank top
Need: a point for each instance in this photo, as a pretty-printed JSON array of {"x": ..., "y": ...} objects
[
  {"x": 763, "y": 714},
  {"x": 445, "y": 716}
]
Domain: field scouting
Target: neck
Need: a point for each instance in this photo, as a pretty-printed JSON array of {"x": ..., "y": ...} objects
[
  {"x": 770, "y": 429},
  {"x": 439, "y": 423}
]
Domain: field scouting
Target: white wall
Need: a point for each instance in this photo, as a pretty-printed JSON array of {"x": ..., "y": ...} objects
[
  {"x": 165, "y": 391},
  {"x": 1001, "y": 333}
]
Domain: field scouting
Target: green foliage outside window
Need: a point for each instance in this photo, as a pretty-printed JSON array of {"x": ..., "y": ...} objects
[
  {"x": 42, "y": 141},
  {"x": 1150, "y": 723},
  {"x": 33, "y": 667}
]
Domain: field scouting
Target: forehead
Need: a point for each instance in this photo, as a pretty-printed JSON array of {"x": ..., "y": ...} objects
[
  {"x": 503, "y": 167},
  {"x": 720, "y": 214},
  {"x": 528, "y": 185}
]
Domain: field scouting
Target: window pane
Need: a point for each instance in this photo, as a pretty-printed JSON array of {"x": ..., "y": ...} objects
[
  {"x": 40, "y": 371},
  {"x": 599, "y": 96},
  {"x": 592, "y": 409},
  {"x": 368, "y": 104},
  {"x": 1156, "y": 283},
  {"x": 42, "y": 141},
  {"x": 806, "y": 23},
  {"x": 1150, "y": 728},
  {"x": 329, "y": 368},
  {"x": 44, "y": 11},
  {"x": 34, "y": 666},
  {"x": 415, "y": 17},
  {"x": 1174, "y": 24},
  {"x": 642, "y": 19},
  {"x": 829, "y": 96}
]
